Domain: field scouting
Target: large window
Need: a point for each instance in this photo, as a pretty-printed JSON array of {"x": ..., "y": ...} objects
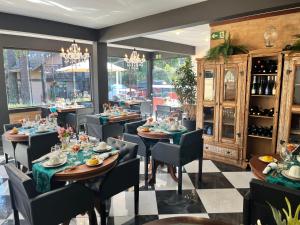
[
  {"x": 123, "y": 83},
  {"x": 36, "y": 78},
  {"x": 164, "y": 71}
]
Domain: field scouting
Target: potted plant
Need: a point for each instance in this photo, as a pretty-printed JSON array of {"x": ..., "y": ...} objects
[
  {"x": 185, "y": 88},
  {"x": 225, "y": 50}
]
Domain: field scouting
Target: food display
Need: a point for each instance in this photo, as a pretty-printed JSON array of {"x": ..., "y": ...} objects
[{"x": 14, "y": 131}]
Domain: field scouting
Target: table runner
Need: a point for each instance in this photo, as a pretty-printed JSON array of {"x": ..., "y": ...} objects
[
  {"x": 176, "y": 135},
  {"x": 42, "y": 176},
  {"x": 281, "y": 180},
  {"x": 33, "y": 131}
]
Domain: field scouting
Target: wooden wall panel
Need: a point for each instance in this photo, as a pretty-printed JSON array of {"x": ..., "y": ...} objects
[{"x": 250, "y": 32}]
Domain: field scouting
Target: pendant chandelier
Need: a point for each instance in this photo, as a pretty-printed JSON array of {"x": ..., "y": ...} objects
[
  {"x": 134, "y": 61},
  {"x": 73, "y": 54}
]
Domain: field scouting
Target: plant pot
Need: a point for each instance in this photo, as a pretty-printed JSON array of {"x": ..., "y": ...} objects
[{"x": 190, "y": 125}]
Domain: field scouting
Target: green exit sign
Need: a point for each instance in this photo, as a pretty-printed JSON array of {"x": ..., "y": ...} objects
[{"x": 217, "y": 35}]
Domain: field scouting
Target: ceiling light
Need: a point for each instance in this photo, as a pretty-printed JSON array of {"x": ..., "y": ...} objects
[
  {"x": 73, "y": 54},
  {"x": 134, "y": 61}
]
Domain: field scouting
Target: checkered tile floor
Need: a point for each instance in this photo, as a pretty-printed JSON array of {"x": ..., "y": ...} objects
[{"x": 218, "y": 196}]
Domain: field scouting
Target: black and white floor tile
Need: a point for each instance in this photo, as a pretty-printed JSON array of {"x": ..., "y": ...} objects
[{"x": 219, "y": 196}]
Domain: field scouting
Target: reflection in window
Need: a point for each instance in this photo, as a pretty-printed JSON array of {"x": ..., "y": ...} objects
[
  {"x": 35, "y": 78},
  {"x": 209, "y": 85},
  {"x": 164, "y": 71},
  {"x": 229, "y": 85},
  {"x": 123, "y": 83},
  {"x": 297, "y": 86},
  {"x": 295, "y": 129}
]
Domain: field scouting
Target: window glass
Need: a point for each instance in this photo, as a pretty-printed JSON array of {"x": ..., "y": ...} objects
[
  {"x": 36, "y": 78},
  {"x": 123, "y": 83},
  {"x": 164, "y": 71}
]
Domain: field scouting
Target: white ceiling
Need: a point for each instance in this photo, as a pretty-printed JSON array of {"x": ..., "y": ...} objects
[
  {"x": 91, "y": 13},
  {"x": 198, "y": 36}
]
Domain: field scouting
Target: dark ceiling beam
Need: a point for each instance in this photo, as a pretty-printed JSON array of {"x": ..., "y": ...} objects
[
  {"x": 158, "y": 45},
  {"x": 120, "y": 52},
  {"x": 40, "y": 26},
  {"x": 196, "y": 14}
]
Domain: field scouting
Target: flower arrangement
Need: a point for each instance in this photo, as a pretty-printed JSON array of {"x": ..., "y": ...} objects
[{"x": 64, "y": 132}]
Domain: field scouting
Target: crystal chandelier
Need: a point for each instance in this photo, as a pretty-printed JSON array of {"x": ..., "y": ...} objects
[
  {"x": 134, "y": 61},
  {"x": 73, "y": 54}
]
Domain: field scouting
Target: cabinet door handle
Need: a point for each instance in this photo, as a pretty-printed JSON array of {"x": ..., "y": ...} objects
[
  {"x": 238, "y": 134},
  {"x": 282, "y": 142},
  {"x": 217, "y": 103}
]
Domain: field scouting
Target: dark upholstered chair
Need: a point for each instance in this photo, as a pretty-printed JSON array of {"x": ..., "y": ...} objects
[
  {"x": 102, "y": 131},
  {"x": 189, "y": 149},
  {"x": 123, "y": 176},
  {"x": 8, "y": 146},
  {"x": 146, "y": 109},
  {"x": 162, "y": 111},
  {"x": 37, "y": 146},
  {"x": 51, "y": 208},
  {"x": 255, "y": 201},
  {"x": 130, "y": 135},
  {"x": 78, "y": 119}
]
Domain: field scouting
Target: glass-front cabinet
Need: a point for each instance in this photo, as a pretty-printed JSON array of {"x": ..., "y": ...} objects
[
  {"x": 289, "y": 131},
  {"x": 220, "y": 102}
]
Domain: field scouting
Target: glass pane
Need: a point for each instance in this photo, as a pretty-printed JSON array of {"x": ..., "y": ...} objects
[
  {"x": 228, "y": 122},
  {"x": 36, "y": 78},
  {"x": 209, "y": 85},
  {"x": 297, "y": 86},
  {"x": 124, "y": 84},
  {"x": 164, "y": 71},
  {"x": 230, "y": 84},
  {"x": 208, "y": 118},
  {"x": 295, "y": 129}
]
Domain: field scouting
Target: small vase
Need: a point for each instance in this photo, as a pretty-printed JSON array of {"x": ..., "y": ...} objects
[{"x": 64, "y": 142}]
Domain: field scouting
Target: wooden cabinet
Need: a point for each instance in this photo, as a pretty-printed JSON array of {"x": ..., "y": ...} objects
[
  {"x": 260, "y": 130},
  {"x": 289, "y": 122},
  {"x": 220, "y": 107}
]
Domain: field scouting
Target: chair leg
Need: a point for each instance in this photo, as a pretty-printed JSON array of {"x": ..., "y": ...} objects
[
  {"x": 16, "y": 217},
  {"x": 6, "y": 158},
  {"x": 92, "y": 217},
  {"x": 146, "y": 170},
  {"x": 103, "y": 213},
  {"x": 180, "y": 180},
  {"x": 136, "y": 199},
  {"x": 200, "y": 170}
]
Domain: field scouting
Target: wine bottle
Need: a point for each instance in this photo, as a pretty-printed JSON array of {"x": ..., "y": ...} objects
[
  {"x": 254, "y": 86},
  {"x": 268, "y": 90},
  {"x": 274, "y": 86},
  {"x": 258, "y": 65},
  {"x": 261, "y": 88}
]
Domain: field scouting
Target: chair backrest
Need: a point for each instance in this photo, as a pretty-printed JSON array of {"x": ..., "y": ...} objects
[
  {"x": 87, "y": 104},
  {"x": 41, "y": 144},
  {"x": 146, "y": 108},
  {"x": 22, "y": 189},
  {"x": 127, "y": 150},
  {"x": 131, "y": 128},
  {"x": 262, "y": 192},
  {"x": 7, "y": 127},
  {"x": 191, "y": 144},
  {"x": 81, "y": 116}
]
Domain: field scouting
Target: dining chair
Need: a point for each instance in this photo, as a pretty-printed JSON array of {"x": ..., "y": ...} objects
[
  {"x": 9, "y": 146},
  {"x": 102, "y": 131},
  {"x": 163, "y": 111},
  {"x": 123, "y": 176},
  {"x": 130, "y": 135},
  {"x": 260, "y": 194},
  {"x": 50, "y": 208},
  {"x": 146, "y": 109},
  {"x": 37, "y": 146},
  {"x": 78, "y": 119},
  {"x": 189, "y": 149}
]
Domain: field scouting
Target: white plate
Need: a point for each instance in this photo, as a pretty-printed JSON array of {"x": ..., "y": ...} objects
[
  {"x": 285, "y": 174},
  {"x": 108, "y": 148},
  {"x": 298, "y": 158},
  {"x": 100, "y": 161},
  {"x": 62, "y": 162}
]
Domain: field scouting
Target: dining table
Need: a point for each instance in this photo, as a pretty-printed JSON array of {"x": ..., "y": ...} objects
[
  {"x": 185, "y": 220},
  {"x": 275, "y": 176},
  {"x": 118, "y": 117},
  {"x": 161, "y": 133}
]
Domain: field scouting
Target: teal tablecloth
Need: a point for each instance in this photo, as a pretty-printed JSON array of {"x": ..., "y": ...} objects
[
  {"x": 33, "y": 131},
  {"x": 281, "y": 180},
  {"x": 176, "y": 135},
  {"x": 42, "y": 176}
]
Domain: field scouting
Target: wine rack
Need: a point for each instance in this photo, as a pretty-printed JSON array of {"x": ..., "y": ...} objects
[{"x": 262, "y": 102}]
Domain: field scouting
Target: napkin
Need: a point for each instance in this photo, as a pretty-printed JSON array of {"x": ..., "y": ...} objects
[
  {"x": 269, "y": 167},
  {"x": 106, "y": 155},
  {"x": 44, "y": 157}
]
